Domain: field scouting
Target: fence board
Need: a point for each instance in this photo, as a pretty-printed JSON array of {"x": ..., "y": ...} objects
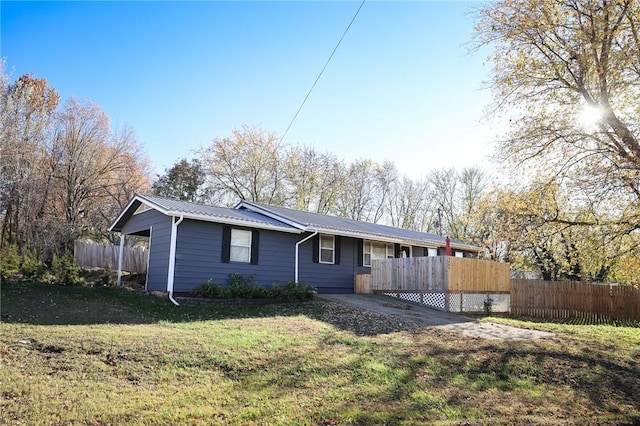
[
  {"x": 90, "y": 254},
  {"x": 570, "y": 299},
  {"x": 362, "y": 284}
]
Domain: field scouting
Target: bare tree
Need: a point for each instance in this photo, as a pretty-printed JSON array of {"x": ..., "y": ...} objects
[
  {"x": 365, "y": 191},
  {"x": 249, "y": 164},
  {"x": 407, "y": 202},
  {"x": 315, "y": 179},
  {"x": 94, "y": 169},
  {"x": 26, "y": 111},
  {"x": 444, "y": 189},
  {"x": 124, "y": 181}
]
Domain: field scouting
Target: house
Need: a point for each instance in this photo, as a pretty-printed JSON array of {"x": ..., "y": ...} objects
[{"x": 190, "y": 243}]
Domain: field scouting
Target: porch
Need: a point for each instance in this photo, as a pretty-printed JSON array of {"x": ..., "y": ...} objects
[{"x": 450, "y": 284}]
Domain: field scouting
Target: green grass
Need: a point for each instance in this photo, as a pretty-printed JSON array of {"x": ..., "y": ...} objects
[{"x": 110, "y": 356}]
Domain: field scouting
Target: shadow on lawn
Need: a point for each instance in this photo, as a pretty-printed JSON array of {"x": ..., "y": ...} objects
[{"x": 43, "y": 304}]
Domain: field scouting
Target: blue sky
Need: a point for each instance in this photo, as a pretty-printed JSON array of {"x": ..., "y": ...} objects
[{"x": 401, "y": 86}]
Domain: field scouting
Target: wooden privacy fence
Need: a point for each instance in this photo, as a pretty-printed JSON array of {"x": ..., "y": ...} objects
[
  {"x": 570, "y": 299},
  {"x": 440, "y": 274},
  {"x": 442, "y": 282},
  {"x": 90, "y": 254}
]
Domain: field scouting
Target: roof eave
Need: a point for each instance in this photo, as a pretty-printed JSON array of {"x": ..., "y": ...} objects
[
  {"x": 387, "y": 239},
  {"x": 137, "y": 197},
  {"x": 117, "y": 227},
  {"x": 237, "y": 222}
]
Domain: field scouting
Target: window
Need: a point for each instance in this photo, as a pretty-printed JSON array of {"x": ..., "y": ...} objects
[
  {"x": 458, "y": 254},
  {"x": 366, "y": 251},
  {"x": 432, "y": 252},
  {"x": 327, "y": 249},
  {"x": 240, "y": 246},
  {"x": 375, "y": 250}
]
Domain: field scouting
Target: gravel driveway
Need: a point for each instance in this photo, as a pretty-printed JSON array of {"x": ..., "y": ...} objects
[{"x": 417, "y": 315}]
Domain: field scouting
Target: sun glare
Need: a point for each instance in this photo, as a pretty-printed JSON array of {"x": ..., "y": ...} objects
[{"x": 589, "y": 117}]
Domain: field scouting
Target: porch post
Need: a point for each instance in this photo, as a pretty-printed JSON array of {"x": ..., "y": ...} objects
[{"x": 120, "y": 258}]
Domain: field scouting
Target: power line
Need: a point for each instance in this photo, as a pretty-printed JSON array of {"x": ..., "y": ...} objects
[{"x": 322, "y": 71}]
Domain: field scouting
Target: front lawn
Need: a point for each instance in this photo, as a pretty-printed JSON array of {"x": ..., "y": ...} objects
[{"x": 111, "y": 356}]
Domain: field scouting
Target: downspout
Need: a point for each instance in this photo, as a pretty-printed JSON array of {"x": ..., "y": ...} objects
[
  {"x": 120, "y": 259},
  {"x": 297, "y": 245},
  {"x": 172, "y": 257}
]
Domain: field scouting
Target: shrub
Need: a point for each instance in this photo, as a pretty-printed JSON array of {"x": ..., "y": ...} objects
[
  {"x": 9, "y": 261},
  {"x": 212, "y": 290},
  {"x": 488, "y": 306},
  {"x": 65, "y": 271},
  {"x": 107, "y": 279},
  {"x": 297, "y": 291},
  {"x": 244, "y": 288},
  {"x": 240, "y": 286},
  {"x": 32, "y": 267},
  {"x": 290, "y": 291},
  {"x": 258, "y": 292}
]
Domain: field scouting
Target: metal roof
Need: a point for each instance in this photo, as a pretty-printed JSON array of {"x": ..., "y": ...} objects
[
  {"x": 264, "y": 216},
  {"x": 198, "y": 211},
  {"x": 350, "y": 227}
]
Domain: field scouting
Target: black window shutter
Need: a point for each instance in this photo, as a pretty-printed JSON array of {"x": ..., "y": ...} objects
[
  {"x": 396, "y": 249},
  {"x": 337, "y": 250},
  {"x": 226, "y": 244},
  {"x": 255, "y": 243},
  {"x": 315, "y": 241},
  {"x": 360, "y": 244}
]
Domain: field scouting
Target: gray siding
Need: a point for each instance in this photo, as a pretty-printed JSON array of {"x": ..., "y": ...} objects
[
  {"x": 159, "y": 242},
  {"x": 199, "y": 254},
  {"x": 331, "y": 278}
]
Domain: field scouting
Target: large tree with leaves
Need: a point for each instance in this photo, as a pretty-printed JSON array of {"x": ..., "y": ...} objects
[
  {"x": 184, "y": 181},
  {"x": 543, "y": 229},
  {"x": 552, "y": 60}
]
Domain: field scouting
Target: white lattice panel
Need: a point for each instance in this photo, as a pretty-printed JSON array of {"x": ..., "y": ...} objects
[
  {"x": 467, "y": 302},
  {"x": 474, "y": 302},
  {"x": 432, "y": 300}
]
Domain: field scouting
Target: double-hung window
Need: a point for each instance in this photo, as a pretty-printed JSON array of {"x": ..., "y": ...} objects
[
  {"x": 240, "y": 246},
  {"x": 327, "y": 249},
  {"x": 366, "y": 251}
]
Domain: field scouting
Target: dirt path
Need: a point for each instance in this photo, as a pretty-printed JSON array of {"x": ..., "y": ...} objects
[{"x": 433, "y": 318}]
